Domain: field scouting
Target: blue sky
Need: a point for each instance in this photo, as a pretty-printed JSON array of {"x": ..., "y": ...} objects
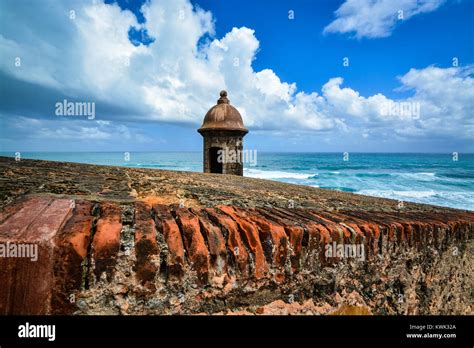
[{"x": 154, "y": 68}]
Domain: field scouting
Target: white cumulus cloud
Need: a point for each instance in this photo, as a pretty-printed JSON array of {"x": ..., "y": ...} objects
[
  {"x": 377, "y": 18},
  {"x": 178, "y": 76}
]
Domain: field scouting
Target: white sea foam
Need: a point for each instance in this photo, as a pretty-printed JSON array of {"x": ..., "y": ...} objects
[
  {"x": 454, "y": 199},
  {"x": 418, "y": 176},
  {"x": 397, "y": 193},
  {"x": 271, "y": 174}
]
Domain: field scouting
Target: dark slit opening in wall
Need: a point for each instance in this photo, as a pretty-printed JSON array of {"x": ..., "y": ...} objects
[{"x": 216, "y": 166}]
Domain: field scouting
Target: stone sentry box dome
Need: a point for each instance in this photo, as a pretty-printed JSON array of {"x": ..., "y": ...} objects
[{"x": 223, "y": 130}]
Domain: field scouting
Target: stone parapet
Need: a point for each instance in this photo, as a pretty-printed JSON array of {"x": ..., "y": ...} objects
[{"x": 137, "y": 258}]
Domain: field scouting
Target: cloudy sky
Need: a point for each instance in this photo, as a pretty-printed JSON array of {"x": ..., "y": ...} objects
[{"x": 354, "y": 75}]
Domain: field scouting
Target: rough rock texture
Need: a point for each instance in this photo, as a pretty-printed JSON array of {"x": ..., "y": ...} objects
[
  {"x": 122, "y": 241},
  {"x": 171, "y": 187}
]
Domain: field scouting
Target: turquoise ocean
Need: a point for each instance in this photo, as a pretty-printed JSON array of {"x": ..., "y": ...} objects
[{"x": 424, "y": 178}]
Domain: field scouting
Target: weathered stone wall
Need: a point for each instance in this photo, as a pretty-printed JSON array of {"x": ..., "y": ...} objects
[
  {"x": 137, "y": 258},
  {"x": 228, "y": 141},
  {"x": 114, "y": 240}
]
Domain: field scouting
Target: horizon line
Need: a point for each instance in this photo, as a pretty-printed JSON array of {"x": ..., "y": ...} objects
[{"x": 274, "y": 152}]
